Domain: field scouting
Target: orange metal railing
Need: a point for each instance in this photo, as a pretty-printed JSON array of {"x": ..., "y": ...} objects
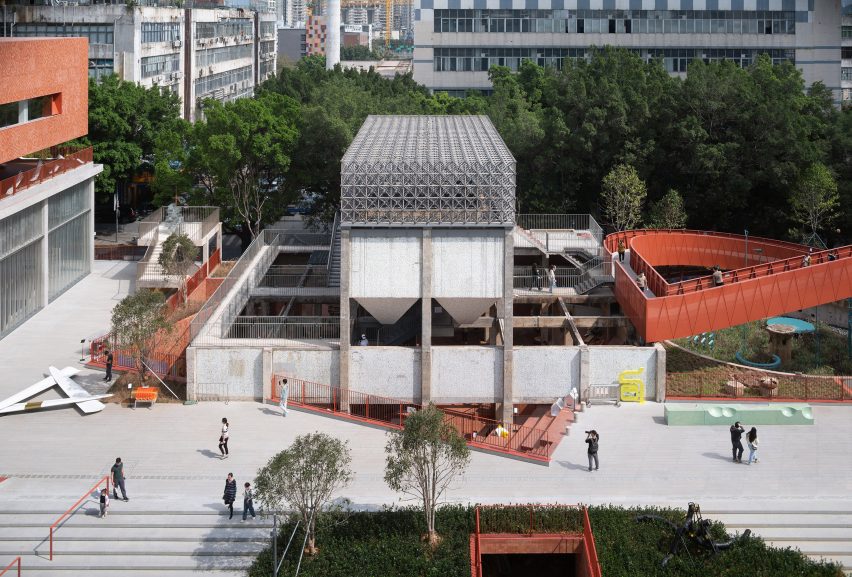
[
  {"x": 593, "y": 566},
  {"x": 16, "y": 560},
  {"x": 48, "y": 169},
  {"x": 73, "y": 508}
]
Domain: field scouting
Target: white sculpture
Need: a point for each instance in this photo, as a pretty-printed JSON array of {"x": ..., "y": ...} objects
[{"x": 77, "y": 394}]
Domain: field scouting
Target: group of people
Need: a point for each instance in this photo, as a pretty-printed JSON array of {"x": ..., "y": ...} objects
[
  {"x": 116, "y": 474},
  {"x": 737, "y": 431},
  {"x": 230, "y": 496},
  {"x": 537, "y": 274}
]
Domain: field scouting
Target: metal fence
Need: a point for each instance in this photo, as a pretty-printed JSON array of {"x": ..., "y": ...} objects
[
  {"x": 297, "y": 328},
  {"x": 45, "y": 169},
  {"x": 756, "y": 384},
  {"x": 295, "y": 277},
  {"x": 120, "y": 252},
  {"x": 525, "y": 279},
  {"x": 561, "y": 232}
]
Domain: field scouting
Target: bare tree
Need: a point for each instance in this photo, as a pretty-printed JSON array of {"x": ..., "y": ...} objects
[
  {"x": 304, "y": 477},
  {"x": 177, "y": 259},
  {"x": 423, "y": 459}
]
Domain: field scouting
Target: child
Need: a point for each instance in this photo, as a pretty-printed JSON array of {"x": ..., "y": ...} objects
[
  {"x": 248, "y": 502},
  {"x": 104, "y": 503}
]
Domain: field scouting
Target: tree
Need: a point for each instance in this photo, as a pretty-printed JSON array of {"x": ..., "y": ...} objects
[
  {"x": 815, "y": 198},
  {"x": 136, "y": 320},
  {"x": 240, "y": 154},
  {"x": 623, "y": 194},
  {"x": 305, "y": 476},
  {"x": 177, "y": 258},
  {"x": 668, "y": 212},
  {"x": 423, "y": 459}
]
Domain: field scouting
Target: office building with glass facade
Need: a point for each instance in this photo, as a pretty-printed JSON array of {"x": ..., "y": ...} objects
[
  {"x": 457, "y": 41},
  {"x": 46, "y": 189}
]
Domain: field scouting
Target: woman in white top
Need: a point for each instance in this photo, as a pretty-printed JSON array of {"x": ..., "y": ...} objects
[
  {"x": 551, "y": 277},
  {"x": 752, "y": 445},
  {"x": 223, "y": 439}
]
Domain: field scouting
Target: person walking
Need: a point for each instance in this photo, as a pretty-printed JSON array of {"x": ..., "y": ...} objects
[
  {"x": 108, "y": 376},
  {"x": 223, "y": 439},
  {"x": 622, "y": 248},
  {"x": 104, "y": 502},
  {"x": 806, "y": 260},
  {"x": 592, "y": 439},
  {"x": 536, "y": 277},
  {"x": 230, "y": 493},
  {"x": 641, "y": 281},
  {"x": 283, "y": 393},
  {"x": 551, "y": 277},
  {"x": 717, "y": 277},
  {"x": 736, "y": 442},
  {"x": 751, "y": 437},
  {"x": 117, "y": 473},
  {"x": 248, "y": 502}
]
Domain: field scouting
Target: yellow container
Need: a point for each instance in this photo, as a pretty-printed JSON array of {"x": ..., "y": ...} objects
[
  {"x": 630, "y": 393},
  {"x": 632, "y": 389}
]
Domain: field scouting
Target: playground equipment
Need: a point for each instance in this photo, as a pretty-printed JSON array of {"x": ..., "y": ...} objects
[{"x": 632, "y": 387}]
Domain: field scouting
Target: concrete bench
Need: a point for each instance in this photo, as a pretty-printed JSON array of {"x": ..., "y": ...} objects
[{"x": 746, "y": 413}]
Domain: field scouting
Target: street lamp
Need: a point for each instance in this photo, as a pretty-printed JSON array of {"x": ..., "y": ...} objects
[{"x": 746, "y": 247}]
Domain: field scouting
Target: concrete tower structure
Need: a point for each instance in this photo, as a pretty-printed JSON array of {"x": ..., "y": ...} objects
[{"x": 332, "y": 49}]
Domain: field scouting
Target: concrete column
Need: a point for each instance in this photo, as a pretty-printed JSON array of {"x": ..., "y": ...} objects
[
  {"x": 45, "y": 254},
  {"x": 345, "y": 325},
  {"x": 426, "y": 318},
  {"x": 567, "y": 337},
  {"x": 505, "y": 409},
  {"x": 191, "y": 385},
  {"x": 90, "y": 231},
  {"x": 267, "y": 374},
  {"x": 660, "y": 382},
  {"x": 585, "y": 373}
]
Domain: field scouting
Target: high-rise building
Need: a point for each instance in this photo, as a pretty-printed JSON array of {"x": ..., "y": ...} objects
[
  {"x": 46, "y": 188},
  {"x": 846, "y": 56},
  {"x": 457, "y": 41},
  {"x": 221, "y": 53}
]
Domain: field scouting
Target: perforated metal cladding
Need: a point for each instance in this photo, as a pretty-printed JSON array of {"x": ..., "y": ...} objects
[{"x": 428, "y": 171}]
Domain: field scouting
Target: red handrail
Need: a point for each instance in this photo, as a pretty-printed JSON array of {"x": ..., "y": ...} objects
[
  {"x": 594, "y": 565},
  {"x": 48, "y": 169},
  {"x": 73, "y": 507},
  {"x": 9, "y": 566}
]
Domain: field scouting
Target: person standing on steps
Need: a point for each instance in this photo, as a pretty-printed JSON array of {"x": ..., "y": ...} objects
[
  {"x": 223, "y": 439},
  {"x": 108, "y": 376},
  {"x": 751, "y": 437},
  {"x": 248, "y": 502},
  {"x": 230, "y": 493},
  {"x": 622, "y": 248},
  {"x": 551, "y": 277},
  {"x": 592, "y": 439},
  {"x": 536, "y": 277},
  {"x": 104, "y": 502},
  {"x": 117, "y": 473},
  {"x": 736, "y": 442},
  {"x": 283, "y": 393}
]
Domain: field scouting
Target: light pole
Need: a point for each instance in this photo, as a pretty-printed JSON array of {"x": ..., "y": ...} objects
[{"x": 746, "y": 247}]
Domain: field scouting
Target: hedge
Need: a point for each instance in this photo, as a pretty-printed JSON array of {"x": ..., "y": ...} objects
[{"x": 387, "y": 544}]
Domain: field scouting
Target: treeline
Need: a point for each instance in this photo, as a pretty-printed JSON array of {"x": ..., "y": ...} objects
[{"x": 737, "y": 146}]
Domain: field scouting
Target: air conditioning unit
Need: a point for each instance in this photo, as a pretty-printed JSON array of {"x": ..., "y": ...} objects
[
  {"x": 176, "y": 44},
  {"x": 177, "y": 75}
]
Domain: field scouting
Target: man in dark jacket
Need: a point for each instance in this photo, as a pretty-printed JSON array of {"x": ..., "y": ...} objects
[
  {"x": 230, "y": 493},
  {"x": 737, "y": 431},
  {"x": 117, "y": 474},
  {"x": 592, "y": 440}
]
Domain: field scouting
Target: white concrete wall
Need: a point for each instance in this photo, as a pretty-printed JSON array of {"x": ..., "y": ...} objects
[
  {"x": 385, "y": 263},
  {"x": 232, "y": 373},
  {"x": 386, "y": 371},
  {"x": 467, "y": 374},
  {"x": 605, "y": 364},
  {"x": 542, "y": 374},
  {"x": 467, "y": 263},
  {"x": 321, "y": 367}
]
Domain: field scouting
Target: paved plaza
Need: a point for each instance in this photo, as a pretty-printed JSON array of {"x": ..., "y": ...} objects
[{"x": 172, "y": 463}]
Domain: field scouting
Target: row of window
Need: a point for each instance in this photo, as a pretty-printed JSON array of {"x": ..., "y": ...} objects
[
  {"x": 160, "y": 32},
  {"x": 26, "y": 110},
  {"x": 100, "y": 67},
  {"x": 207, "y": 84},
  {"x": 235, "y": 27},
  {"x": 267, "y": 28},
  {"x": 614, "y": 22},
  {"x": 223, "y": 54},
  {"x": 266, "y": 68},
  {"x": 163, "y": 64},
  {"x": 96, "y": 33},
  {"x": 267, "y": 47},
  {"x": 846, "y": 31},
  {"x": 846, "y": 74},
  {"x": 674, "y": 59}
]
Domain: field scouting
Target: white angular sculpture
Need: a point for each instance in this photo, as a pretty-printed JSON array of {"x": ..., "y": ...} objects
[{"x": 77, "y": 395}]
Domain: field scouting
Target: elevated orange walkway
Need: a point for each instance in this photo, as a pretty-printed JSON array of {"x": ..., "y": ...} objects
[{"x": 767, "y": 281}]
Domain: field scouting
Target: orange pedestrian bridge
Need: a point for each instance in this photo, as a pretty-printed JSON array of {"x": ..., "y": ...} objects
[{"x": 762, "y": 278}]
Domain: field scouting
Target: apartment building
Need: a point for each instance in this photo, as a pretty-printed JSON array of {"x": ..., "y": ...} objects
[
  {"x": 457, "y": 41},
  {"x": 846, "y": 58},
  {"x": 220, "y": 53}
]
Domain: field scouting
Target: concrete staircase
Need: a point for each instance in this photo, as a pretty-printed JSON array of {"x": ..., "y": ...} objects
[
  {"x": 143, "y": 543},
  {"x": 334, "y": 269},
  {"x": 816, "y": 533}
]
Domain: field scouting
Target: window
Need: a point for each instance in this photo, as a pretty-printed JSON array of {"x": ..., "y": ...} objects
[
  {"x": 100, "y": 67},
  {"x": 13, "y": 113},
  {"x": 235, "y": 27},
  {"x": 207, "y": 84},
  {"x": 846, "y": 52},
  {"x": 160, "y": 32},
  {"x": 846, "y": 74},
  {"x": 96, "y": 33},
  {"x": 156, "y": 65},
  {"x": 224, "y": 54},
  {"x": 846, "y": 31}
]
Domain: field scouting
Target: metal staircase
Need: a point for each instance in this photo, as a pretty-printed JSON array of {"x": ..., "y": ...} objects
[{"x": 334, "y": 254}]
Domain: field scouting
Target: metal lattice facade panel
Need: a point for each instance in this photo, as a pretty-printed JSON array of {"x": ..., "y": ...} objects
[{"x": 427, "y": 171}]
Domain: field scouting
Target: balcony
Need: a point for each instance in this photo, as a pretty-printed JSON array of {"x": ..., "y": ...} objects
[{"x": 23, "y": 173}]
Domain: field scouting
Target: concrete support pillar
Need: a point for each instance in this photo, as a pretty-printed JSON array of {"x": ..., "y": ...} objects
[
  {"x": 585, "y": 373},
  {"x": 191, "y": 385},
  {"x": 267, "y": 374},
  {"x": 660, "y": 382},
  {"x": 426, "y": 318},
  {"x": 345, "y": 324},
  {"x": 567, "y": 337},
  {"x": 505, "y": 411},
  {"x": 45, "y": 254}
]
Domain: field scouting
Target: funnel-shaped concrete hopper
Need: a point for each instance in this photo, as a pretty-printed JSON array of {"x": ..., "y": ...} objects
[
  {"x": 466, "y": 310},
  {"x": 387, "y": 310}
]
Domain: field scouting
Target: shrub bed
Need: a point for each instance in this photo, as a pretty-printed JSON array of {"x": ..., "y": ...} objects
[{"x": 388, "y": 544}]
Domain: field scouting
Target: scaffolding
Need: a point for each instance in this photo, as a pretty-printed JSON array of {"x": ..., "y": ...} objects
[{"x": 428, "y": 171}]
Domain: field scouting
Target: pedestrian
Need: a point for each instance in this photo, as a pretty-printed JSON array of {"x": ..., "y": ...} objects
[
  {"x": 283, "y": 393},
  {"x": 736, "y": 442},
  {"x": 592, "y": 439},
  {"x": 230, "y": 493},
  {"x": 832, "y": 255},
  {"x": 104, "y": 502},
  {"x": 806, "y": 260},
  {"x": 223, "y": 439},
  {"x": 717, "y": 277},
  {"x": 363, "y": 342},
  {"x": 248, "y": 502},
  {"x": 117, "y": 473},
  {"x": 622, "y": 248},
  {"x": 551, "y": 277},
  {"x": 641, "y": 281},
  {"x": 751, "y": 437},
  {"x": 108, "y": 376},
  {"x": 536, "y": 280}
]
